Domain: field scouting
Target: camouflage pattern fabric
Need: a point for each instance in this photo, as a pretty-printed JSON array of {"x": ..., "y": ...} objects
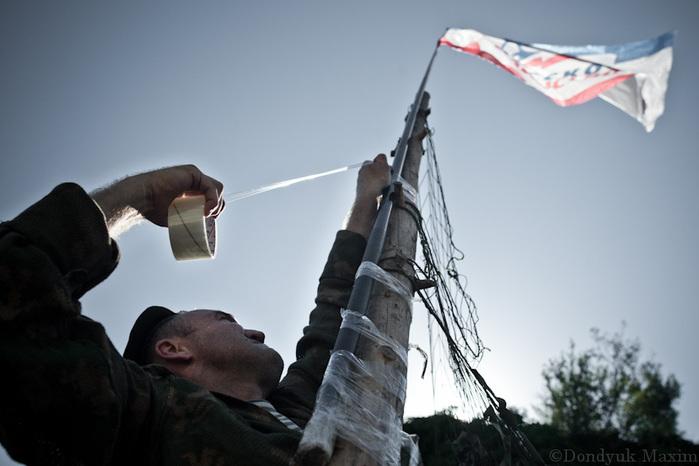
[{"x": 67, "y": 397}]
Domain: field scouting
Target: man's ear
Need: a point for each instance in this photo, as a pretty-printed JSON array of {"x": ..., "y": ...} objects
[{"x": 173, "y": 350}]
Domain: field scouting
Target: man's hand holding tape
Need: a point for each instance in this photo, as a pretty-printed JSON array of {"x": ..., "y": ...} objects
[{"x": 148, "y": 195}]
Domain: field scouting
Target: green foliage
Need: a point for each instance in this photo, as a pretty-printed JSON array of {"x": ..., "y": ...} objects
[
  {"x": 601, "y": 399},
  {"x": 445, "y": 440},
  {"x": 608, "y": 389},
  {"x": 648, "y": 412}
]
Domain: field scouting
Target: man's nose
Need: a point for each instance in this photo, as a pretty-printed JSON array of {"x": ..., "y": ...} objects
[{"x": 255, "y": 335}]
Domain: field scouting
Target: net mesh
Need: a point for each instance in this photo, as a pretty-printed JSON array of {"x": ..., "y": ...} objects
[{"x": 453, "y": 316}]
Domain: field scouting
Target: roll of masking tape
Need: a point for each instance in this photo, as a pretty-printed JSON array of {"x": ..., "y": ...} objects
[{"x": 192, "y": 236}]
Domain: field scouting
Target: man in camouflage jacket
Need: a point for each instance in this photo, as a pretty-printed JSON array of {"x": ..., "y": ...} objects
[{"x": 214, "y": 397}]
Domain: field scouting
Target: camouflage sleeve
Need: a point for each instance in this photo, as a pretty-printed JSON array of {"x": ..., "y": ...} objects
[
  {"x": 295, "y": 396},
  {"x": 65, "y": 392}
]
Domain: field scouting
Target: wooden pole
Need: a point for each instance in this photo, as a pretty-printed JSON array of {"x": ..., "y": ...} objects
[
  {"x": 392, "y": 317},
  {"x": 391, "y": 313}
]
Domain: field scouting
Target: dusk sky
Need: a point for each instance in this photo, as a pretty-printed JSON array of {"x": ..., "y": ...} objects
[{"x": 570, "y": 218}]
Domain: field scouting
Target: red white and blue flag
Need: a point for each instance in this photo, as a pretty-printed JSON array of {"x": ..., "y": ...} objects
[{"x": 632, "y": 76}]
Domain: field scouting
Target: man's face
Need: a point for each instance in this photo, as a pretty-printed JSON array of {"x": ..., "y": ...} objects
[{"x": 221, "y": 342}]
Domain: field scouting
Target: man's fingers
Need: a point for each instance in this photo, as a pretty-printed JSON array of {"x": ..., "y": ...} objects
[
  {"x": 213, "y": 191},
  {"x": 213, "y": 207},
  {"x": 221, "y": 206},
  {"x": 216, "y": 211},
  {"x": 379, "y": 161}
]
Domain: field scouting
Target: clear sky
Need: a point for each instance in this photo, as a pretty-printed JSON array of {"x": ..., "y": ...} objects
[{"x": 569, "y": 218}]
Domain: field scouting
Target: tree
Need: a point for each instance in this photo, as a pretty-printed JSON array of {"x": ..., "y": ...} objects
[
  {"x": 648, "y": 411},
  {"x": 608, "y": 389},
  {"x": 603, "y": 398}
]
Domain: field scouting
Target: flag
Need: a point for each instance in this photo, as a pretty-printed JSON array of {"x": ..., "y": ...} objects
[{"x": 632, "y": 77}]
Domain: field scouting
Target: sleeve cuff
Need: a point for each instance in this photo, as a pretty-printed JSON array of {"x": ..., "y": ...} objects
[{"x": 70, "y": 228}]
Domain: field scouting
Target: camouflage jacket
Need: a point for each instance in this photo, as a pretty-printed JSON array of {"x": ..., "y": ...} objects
[{"x": 68, "y": 397}]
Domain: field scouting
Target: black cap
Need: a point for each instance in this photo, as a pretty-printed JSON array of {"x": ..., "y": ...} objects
[{"x": 143, "y": 330}]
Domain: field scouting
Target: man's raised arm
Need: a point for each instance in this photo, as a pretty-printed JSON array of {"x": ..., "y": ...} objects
[
  {"x": 67, "y": 396},
  {"x": 296, "y": 394}
]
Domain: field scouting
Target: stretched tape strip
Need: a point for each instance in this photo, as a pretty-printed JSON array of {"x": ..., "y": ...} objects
[
  {"x": 372, "y": 270},
  {"x": 191, "y": 235},
  {"x": 286, "y": 183},
  {"x": 194, "y": 237}
]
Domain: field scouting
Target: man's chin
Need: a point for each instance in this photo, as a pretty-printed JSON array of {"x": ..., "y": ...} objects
[
  {"x": 277, "y": 362},
  {"x": 273, "y": 367}
]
